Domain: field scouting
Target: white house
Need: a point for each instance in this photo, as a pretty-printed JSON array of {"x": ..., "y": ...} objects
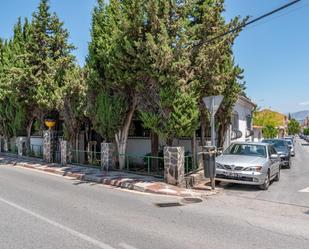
[{"x": 241, "y": 128}]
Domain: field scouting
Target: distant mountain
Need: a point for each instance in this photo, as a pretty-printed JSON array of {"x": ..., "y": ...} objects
[{"x": 300, "y": 116}]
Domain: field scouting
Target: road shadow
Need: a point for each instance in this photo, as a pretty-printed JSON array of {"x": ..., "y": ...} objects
[
  {"x": 239, "y": 187},
  {"x": 307, "y": 212},
  {"x": 305, "y": 144}
]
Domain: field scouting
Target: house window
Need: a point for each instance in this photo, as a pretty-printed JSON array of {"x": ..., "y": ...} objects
[
  {"x": 249, "y": 122},
  {"x": 235, "y": 121}
]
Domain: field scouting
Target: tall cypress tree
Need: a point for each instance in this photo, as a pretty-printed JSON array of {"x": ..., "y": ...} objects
[
  {"x": 212, "y": 62},
  {"x": 172, "y": 111},
  {"x": 47, "y": 56},
  {"x": 116, "y": 61},
  {"x": 12, "y": 113}
]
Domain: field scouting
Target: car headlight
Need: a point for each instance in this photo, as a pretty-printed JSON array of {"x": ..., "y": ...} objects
[
  {"x": 284, "y": 155},
  {"x": 254, "y": 168},
  {"x": 219, "y": 166}
]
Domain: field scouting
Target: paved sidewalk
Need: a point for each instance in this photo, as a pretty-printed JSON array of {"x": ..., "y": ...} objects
[{"x": 147, "y": 184}]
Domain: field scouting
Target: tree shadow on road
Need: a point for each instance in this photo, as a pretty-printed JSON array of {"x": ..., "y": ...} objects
[
  {"x": 305, "y": 144},
  {"x": 239, "y": 187}
]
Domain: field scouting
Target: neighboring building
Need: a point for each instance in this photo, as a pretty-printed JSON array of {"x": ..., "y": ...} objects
[
  {"x": 257, "y": 133},
  {"x": 306, "y": 122},
  {"x": 279, "y": 120},
  {"x": 241, "y": 128}
]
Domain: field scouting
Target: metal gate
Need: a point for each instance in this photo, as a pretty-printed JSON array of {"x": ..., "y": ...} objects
[{"x": 56, "y": 149}]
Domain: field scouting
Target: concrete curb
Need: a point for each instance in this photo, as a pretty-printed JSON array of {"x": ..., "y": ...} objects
[{"x": 124, "y": 182}]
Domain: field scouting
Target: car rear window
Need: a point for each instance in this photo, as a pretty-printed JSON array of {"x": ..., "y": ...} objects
[
  {"x": 276, "y": 143},
  {"x": 247, "y": 150}
]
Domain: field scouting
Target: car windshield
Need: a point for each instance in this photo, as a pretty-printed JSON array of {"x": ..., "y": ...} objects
[
  {"x": 289, "y": 142},
  {"x": 276, "y": 143},
  {"x": 246, "y": 150}
]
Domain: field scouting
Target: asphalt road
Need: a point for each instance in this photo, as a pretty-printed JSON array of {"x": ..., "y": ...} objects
[{"x": 39, "y": 210}]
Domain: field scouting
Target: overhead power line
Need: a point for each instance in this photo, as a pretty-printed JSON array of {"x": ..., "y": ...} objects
[{"x": 250, "y": 22}]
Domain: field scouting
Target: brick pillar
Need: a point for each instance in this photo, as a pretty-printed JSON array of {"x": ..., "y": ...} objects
[
  {"x": 107, "y": 155},
  {"x": 174, "y": 165},
  {"x": 47, "y": 146},
  {"x": 64, "y": 148},
  {"x": 21, "y": 143}
]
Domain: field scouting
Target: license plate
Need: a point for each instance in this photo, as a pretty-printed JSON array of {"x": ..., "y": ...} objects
[{"x": 231, "y": 174}]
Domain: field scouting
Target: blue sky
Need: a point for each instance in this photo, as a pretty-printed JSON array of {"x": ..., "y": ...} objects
[{"x": 274, "y": 52}]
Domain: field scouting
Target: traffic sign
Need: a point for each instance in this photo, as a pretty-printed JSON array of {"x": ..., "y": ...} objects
[{"x": 213, "y": 103}]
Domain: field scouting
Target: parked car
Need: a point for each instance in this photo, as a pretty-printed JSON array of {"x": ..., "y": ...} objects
[
  {"x": 290, "y": 138},
  {"x": 249, "y": 163},
  {"x": 283, "y": 149},
  {"x": 291, "y": 145}
]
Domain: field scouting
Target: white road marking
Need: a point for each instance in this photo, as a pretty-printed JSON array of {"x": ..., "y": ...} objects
[
  {"x": 126, "y": 246},
  {"x": 58, "y": 225},
  {"x": 305, "y": 190}
]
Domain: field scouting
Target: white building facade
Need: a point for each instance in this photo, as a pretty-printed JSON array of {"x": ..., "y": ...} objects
[{"x": 241, "y": 128}]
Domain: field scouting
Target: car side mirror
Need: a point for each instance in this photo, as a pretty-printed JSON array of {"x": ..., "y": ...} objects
[{"x": 274, "y": 156}]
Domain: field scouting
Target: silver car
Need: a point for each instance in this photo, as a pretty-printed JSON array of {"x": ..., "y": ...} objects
[
  {"x": 249, "y": 163},
  {"x": 291, "y": 145}
]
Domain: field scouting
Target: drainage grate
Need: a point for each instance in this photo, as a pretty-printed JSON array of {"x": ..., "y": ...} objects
[
  {"x": 168, "y": 204},
  {"x": 191, "y": 200},
  {"x": 184, "y": 201}
]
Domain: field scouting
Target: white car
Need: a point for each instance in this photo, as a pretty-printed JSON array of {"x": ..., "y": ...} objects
[{"x": 249, "y": 163}]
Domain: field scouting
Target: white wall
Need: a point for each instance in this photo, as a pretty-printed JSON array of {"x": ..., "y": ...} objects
[
  {"x": 243, "y": 109},
  {"x": 258, "y": 136},
  {"x": 36, "y": 141}
]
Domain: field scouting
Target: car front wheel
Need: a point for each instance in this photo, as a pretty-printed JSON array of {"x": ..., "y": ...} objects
[
  {"x": 277, "y": 178},
  {"x": 266, "y": 183}
]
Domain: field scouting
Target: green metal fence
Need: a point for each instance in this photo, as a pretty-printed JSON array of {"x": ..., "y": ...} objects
[
  {"x": 85, "y": 158},
  {"x": 36, "y": 151},
  {"x": 134, "y": 163},
  {"x": 190, "y": 166},
  {"x": 12, "y": 148},
  {"x": 144, "y": 164}
]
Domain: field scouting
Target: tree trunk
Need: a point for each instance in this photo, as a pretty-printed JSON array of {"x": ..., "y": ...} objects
[
  {"x": 193, "y": 148},
  {"x": 121, "y": 136},
  {"x": 28, "y": 145},
  {"x": 5, "y": 144},
  {"x": 203, "y": 126},
  {"x": 154, "y": 150},
  {"x": 222, "y": 132},
  {"x": 169, "y": 142}
]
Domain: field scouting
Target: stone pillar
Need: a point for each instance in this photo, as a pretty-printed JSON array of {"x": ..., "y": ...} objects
[
  {"x": 64, "y": 152},
  {"x": 107, "y": 155},
  {"x": 174, "y": 165},
  {"x": 47, "y": 146},
  {"x": 21, "y": 143}
]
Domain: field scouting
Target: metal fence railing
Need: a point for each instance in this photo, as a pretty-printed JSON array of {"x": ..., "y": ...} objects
[
  {"x": 144, "y": 164},
  {"x": 36, "y": 151},
  {"x": 85, "y": 158},
  {"x": 12, "y": 148},
  {"x": 190, "y": 166}
]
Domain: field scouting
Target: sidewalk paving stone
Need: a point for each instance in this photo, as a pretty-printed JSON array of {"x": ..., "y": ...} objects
[{"x": 141, "y": 183}]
